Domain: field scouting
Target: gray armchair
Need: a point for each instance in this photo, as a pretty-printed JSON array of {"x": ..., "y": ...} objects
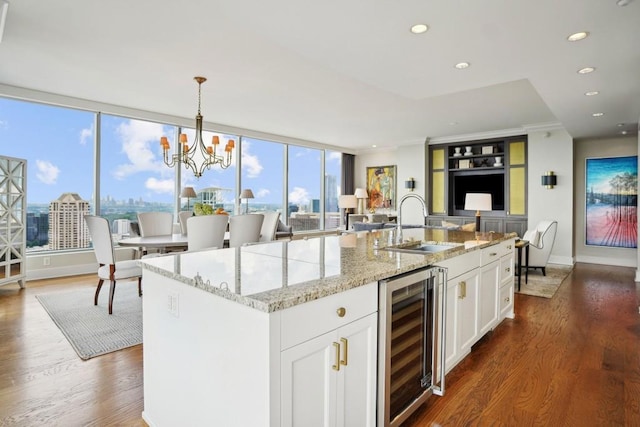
[{"x": 283, "y": 231}]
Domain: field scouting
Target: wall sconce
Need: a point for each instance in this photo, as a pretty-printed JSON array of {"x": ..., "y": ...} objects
[
  {"x": 410, "y": 184},
  {"x": 549, "y": 179}
]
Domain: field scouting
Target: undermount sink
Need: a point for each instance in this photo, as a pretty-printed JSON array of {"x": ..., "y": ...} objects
[{"x": 421, "y": 248}]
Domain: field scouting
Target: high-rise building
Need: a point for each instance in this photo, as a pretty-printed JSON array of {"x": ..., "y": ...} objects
[
  {"x": 67, "y": 229},
  {"x": 121, "y": 226}
]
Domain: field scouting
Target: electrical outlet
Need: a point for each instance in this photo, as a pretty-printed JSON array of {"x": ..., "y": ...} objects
[
  {"x": 173, "y": 300},
  {"x": 46, "y": 261}
]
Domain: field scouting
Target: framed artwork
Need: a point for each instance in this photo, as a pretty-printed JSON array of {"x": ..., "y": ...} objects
[
  {"x": 611, "y": 202},
  {"x": 381, "y": 187}
]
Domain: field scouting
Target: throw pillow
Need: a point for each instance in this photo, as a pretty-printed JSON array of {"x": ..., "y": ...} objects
[
  {"x": 469, "y": 227},
  {"x": 450, "y": 225}
]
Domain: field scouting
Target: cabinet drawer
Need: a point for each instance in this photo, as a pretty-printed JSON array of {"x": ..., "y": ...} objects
[
  {"x": 490, "y": 254},
  {"x": 506, "y": 268},
  {"x": 314, "y": 318},
  {"x": 496, "y": 251},
  {"x": 506, "y": 300},
  {"x": 461, "y": 264}
]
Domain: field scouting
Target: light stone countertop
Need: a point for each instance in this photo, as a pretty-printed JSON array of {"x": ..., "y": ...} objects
[{"x": 281, "y": 274}]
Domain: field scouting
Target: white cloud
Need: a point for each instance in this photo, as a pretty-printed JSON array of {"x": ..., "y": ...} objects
[
  {"x": 299, "y": 196},
  {"x": 334, "y": 155},
  {"x": 159, "y": 185},
  {"x": 263, "y": 192},
  {"x": 4, "y": 124},
  {"x": 140, "y": 140},
  {"x": 250, "y": 162},
  {"x": 85, "y": 134},
  {"x": 47, "y": 172}
]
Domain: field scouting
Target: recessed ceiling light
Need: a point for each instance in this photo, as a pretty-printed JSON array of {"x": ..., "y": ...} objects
[
  {"x": 598, "y": 114},
  {"x": 419, "y": 28},
  {"x": 623, "y": 2},
  {"x": 620, "y": 125},
  {"x": 374, "y": 146},
  {"x": 453, "y": 123},
  {"x": 624, "y": 132},
  {"x": 462, "y": 65},
  {"x": 578, "y": 36},
  {"x": 592, "y": 93},
  {"x": 586, "y": 70}
]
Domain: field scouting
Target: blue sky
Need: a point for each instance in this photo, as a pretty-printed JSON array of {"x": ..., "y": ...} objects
[{"x": 58, "y": 144}]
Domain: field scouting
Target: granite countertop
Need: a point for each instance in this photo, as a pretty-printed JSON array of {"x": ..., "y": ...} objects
[{"x": 281, "y": 274}]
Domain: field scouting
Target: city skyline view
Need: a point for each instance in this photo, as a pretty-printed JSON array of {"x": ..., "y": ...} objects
[{"x": 60, "y": 154}]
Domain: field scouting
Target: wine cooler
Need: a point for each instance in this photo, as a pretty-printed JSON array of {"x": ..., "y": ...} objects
[{"x": 411, "y": 352}]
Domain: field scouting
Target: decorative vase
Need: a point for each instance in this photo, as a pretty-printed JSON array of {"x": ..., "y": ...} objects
[
  {"x": 468, "y": 151},
  {"x": 457, "y": 153}
]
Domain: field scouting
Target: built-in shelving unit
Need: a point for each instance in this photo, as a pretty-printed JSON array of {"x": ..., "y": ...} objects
[
  {"x": 13, "y": 216},
  {"x": 495, "y": 166}
]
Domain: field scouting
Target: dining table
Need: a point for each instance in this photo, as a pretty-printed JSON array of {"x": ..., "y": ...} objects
[{"x": 164, "y": 243}]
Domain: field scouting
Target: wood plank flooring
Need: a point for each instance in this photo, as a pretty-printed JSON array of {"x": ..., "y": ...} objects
[{"x": 573, "y": 360}]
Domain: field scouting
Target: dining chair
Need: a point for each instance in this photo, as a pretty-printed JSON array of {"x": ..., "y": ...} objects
[
  {"x": 269, "y": 226},
  {"x": 108, "y": 268},
  {"x": 244, "y": 229},
  {"x": 183, "y": 216},
  {"x": 206, "y": 231},
  {"x": 155, "y": 223}
]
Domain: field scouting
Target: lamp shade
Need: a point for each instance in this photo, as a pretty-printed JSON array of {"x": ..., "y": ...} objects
[
  {"x": 347, "y": 201},
  {"x": 246, "y": 194},
  {"x": 188, "y": 192},
  {"x": 361, "y": 193},
  {"x": 477, "y": 202}
]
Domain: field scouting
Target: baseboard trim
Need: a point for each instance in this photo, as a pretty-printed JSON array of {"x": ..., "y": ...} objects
[{"x": 619, "y": 262}]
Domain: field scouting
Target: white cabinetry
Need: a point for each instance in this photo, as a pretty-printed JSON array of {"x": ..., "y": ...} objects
[
  {"x": 330, "y": 380},
  {"x": 462, "y": 306},
  {"x": 479, "y": 296},
  {"x": 13, "y": 216}
]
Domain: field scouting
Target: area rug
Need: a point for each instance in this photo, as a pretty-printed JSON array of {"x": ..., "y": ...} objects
[
  {"x": 90, "y": 329},
  {"x": 543, "y": 286}
]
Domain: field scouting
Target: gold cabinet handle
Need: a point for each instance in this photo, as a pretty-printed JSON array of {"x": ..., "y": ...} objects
[
  {"x": 493, "y": 253},
  {"x": 463, "y": 290},
  {"x": 507, "y": 299},
  {"x": 341, "y": 311},
  {"x": 508, "y": 269},
  {"x": 509, "y": 247},
  {"x": 345, "y": 352},
  {"x": 336, "y": 367}
]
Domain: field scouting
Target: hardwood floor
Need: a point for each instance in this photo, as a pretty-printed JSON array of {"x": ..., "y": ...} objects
[{"x": 573, "y": 360}]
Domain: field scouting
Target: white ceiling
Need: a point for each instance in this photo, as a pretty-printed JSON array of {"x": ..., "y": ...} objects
[{"x": 346, "y": 73}]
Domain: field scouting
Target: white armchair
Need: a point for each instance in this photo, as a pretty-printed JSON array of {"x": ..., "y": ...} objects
[{"x": 541, "y": 240}]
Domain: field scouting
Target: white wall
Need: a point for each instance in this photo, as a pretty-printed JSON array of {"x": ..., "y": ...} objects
[
  {"x": 410, "y": 162},
  {"x": 552, "y": 150},
  {"x": 611, "y": 147}
]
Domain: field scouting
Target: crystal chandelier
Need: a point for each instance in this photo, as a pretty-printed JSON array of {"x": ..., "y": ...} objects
[{"x": 207, "y": 155}]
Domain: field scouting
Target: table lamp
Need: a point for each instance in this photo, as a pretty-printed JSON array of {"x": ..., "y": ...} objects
[
  {"x": 347, "y": 202},
  {"x": 477, "y": 202},
  {"x": 189, "y": 193},
  {"x": 246, "y": 194},
  {"x": 361, "y": 195}
]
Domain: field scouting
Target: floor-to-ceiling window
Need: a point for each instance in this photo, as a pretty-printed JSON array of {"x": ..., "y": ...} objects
[
  {"x": 58, "y": 145},
  {"x": 133, "y": 176},
  {"x": 305, "y": 179},
  {"x": 263, "y": 174}
]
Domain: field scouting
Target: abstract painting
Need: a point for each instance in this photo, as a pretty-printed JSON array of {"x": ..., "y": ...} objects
[
  {"x": 612, "y": 202},
  {"x": 381, "y": 187}
]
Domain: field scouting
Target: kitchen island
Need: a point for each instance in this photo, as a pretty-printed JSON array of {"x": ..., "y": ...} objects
[{"x": 226, "y": 332}]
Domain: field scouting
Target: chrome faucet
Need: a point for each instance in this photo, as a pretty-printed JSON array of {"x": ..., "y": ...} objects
[{"x": 405, "y": 197}]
